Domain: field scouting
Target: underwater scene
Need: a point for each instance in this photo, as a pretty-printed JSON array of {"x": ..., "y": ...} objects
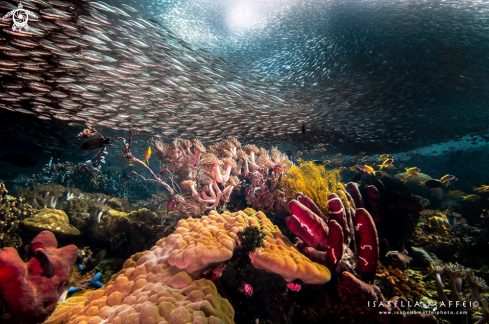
[{"x": 244, "y": 161}]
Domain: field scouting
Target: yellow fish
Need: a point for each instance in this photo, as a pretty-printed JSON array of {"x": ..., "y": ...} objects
[
  {"x": 413, "y": 171},
  {"x": 366, "y": 168},
  {"x": 456, "y": 192},
  {"x": 471, "y": 197},
  {"x": 447, "y": 178},
  {"x": 385, "y": 157},
  {"x": 483, "y": 188},
  {"x": 387, "y": 162},
  {"x": 147, "y": 155}
]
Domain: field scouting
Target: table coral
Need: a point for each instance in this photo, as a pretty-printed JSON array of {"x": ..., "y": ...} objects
[
  {"x": 53, "y": 220},
  {"x": 162, "y": 285},
  {"x": 29, "y": 291}
]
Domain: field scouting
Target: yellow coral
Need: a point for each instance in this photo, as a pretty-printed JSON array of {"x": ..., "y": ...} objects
[
  {"x": 315, "y": 182},
  {"x": 440, "y": 222},
  {"x": 53, "y": 220}
]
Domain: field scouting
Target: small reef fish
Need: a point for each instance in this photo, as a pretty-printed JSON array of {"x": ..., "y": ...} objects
[
  {"x": 455, "y": 193},
  {"x": 354, "y": 169},
  {"x": 147, "y": 155},
  {"x": 471, "y": 197},
  {"x": 483, "y": 188},
  {"x": 447, "y": 178},
  {"x": 95, "y": 143},
  {"x": 98, "y": 258},
  {"x": 88, "y": 132},
  {"x": 433, "y": 184},
  {"x": 19, "y": 160},
  {"x": 303, "y": 128},
  {"x": 46, "y": 265},
  {"x": 367, "y": 169},
  {"x": 171, "y": 204},
  {"x": 385, "y": 157},
  {"x": 387, "y": 162},
  {"x": 413, "y": 171}
]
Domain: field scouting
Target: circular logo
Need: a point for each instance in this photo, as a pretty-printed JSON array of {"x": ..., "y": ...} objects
[{"x": 20, "y": 18}]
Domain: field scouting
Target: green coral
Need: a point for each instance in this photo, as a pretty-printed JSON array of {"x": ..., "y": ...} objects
[
  {"x": 78, "y": 212},
  {"x": 144, "y": 215}
]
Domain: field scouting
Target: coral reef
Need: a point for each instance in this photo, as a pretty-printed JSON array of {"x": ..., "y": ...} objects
[
  {"x": 53, "y": 220},
  {"x": 125, "y": 235},
  {"x": 49, "y": 195},
  {"x": 163, "y": 283},
  {"x": 144, "y": 215},
  {"x": 12, "y": 212},
  {"x": 395, "y": 282},
  {"x": 393, "y": 207},
  {"x": 112, "y": 182},
  {"x": 328, "y": 236},
  {"x": 466, "y": 303},
  {"x": 416, "y": 184},
  {"x": 313, "y": 181},
  {"x": 29, "y": 291},
  {"x": 440, "y": 223},
  {"x": 77, "y": 211},
  {"x": 435, "y": 234}
]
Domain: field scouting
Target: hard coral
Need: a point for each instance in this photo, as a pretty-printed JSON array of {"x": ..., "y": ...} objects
[
  {"x": 447, "y": 246},
  {"x": 29, "y": 291},
  {"x": 440, "y": 222},
  {"x": 12, "y": 212},
  {"x": 53, "y": 220},
  {"x": 161, "y": 284},
  {"x": 395, "y": 282}
]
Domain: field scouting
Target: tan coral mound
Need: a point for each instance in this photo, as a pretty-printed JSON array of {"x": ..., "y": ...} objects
[
  {"x": 52, "y": 220},
  {"x": 159, "y": 286},
  {"x": 278, "y": 255}
]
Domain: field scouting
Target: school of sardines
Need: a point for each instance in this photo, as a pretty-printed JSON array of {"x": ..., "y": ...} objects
[{"x": 93, "y": 63}]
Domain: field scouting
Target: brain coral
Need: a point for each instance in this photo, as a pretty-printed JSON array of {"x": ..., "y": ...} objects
[{"x": 162, "y": 286}]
